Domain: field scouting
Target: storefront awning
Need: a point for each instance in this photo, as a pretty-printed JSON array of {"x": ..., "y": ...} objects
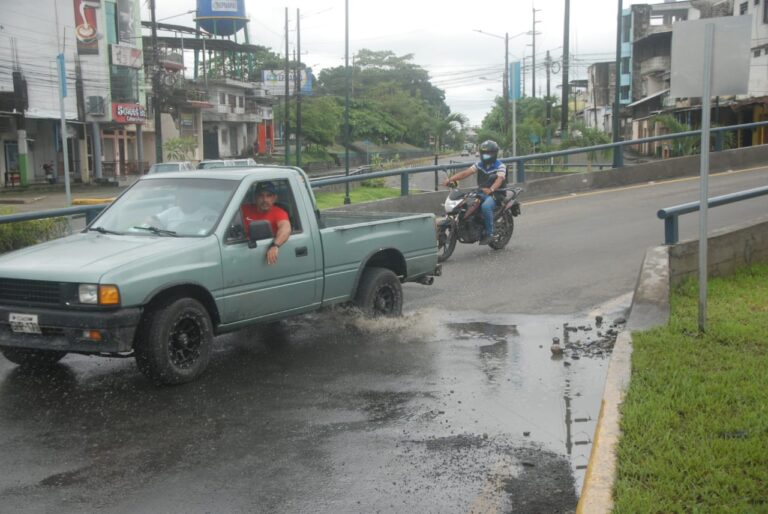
[{"x": 651, "y": 97}]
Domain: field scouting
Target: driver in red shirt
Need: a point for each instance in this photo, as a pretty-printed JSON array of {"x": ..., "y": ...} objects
[{"x": 264, "y": 208}]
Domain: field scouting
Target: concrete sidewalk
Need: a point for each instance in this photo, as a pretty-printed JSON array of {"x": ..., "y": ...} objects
[{"x": 53, "y": 196}]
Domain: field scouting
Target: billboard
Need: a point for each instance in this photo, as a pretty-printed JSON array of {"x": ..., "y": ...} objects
[
  {"x": 86, "y": 26},
  {"x": 126, "y": 32},
  {"x": 514, "y": 81},
  {"x": 126, "y": 56},
  {"x": 274, "y": 82}
]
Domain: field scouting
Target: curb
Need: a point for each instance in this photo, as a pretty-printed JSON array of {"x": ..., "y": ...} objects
[{"x": 650, "y": 308}]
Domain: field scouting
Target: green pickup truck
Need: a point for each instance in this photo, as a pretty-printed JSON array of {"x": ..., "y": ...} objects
[{"x": 171, "y": 263}]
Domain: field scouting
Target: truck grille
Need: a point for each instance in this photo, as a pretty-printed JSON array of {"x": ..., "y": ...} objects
[{"x": 30, "y": 291}]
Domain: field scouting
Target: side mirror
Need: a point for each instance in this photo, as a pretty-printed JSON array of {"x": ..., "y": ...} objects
[{"x": 258, "y": 230}]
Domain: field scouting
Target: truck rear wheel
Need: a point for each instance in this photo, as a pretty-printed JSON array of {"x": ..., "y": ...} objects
[
  {"x": 176, "y": 342},
  {"x": 32, "y": 358},
  {"x": 379, "y": 293}
]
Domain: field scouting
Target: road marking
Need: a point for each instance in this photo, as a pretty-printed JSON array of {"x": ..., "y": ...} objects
[{"x": 651, "y": 183}]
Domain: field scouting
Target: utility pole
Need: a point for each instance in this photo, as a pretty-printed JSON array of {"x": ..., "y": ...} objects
[
  {"x": 298, "y": 90},
  {"x": 533, "y": 62},
  {"x": 618, "y": 153},
  {"x": 347, "y": 201},
  {"x": 566, "y": 38},
  {"x": 286, "y": 117},
  {"x": 506, "y": 83},
  {"x": 155, "y": 88},
  {"x": 548, "y": 99}
]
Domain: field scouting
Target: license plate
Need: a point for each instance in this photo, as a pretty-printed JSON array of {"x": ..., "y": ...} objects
[{"x": 24, "y": 323}]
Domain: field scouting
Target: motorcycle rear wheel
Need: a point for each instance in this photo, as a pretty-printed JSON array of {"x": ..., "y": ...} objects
[
  {"x": 504, "y": 225},
  {"x": 446, "y": 242}
]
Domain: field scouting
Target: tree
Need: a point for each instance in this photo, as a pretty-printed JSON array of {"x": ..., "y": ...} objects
[
  {"x": 321, "y": 120},
  {"x": 448, "y": 126}
]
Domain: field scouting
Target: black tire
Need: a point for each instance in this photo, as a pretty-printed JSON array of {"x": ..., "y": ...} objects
[
  {"x": 379, "y": 293},
  {"x": 504, "y": 225},
  {"x": 32, "y": 358},
  {"x": 446, "y": 242},
  {"x": 175, "y": 342}
]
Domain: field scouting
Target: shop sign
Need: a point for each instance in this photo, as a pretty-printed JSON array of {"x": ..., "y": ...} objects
[
  {"x": 126, "y": 56},
  {"x": 86, "y": 26},
  {"x": 128, "y": 113}
]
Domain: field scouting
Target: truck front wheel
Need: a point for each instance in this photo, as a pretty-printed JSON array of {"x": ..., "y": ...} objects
[
  {"x": 379, "y": 293},
  {"x": 31, "y": 358},
  {"x": 175, "y": 343}
]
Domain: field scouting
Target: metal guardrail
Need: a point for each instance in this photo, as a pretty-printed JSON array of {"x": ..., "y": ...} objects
[
  {"x": 670, "y": 215},
  {"x": 520, "y": 161},
  {"x": 90, "y": 212}
]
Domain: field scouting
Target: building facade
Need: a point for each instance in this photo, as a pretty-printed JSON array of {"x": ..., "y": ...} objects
[{"x": 101, "y": 78}]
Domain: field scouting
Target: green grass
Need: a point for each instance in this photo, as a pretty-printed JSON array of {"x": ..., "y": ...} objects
[
  {"x": 357, "y": 195},
  {"x": 695, "y": 419}
]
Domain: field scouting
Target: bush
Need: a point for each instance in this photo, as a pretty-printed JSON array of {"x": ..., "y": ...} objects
[{"x": 14, "y": 236}]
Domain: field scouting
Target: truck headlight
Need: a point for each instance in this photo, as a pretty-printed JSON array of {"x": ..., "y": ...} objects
[{"x": 95, "y": 294}]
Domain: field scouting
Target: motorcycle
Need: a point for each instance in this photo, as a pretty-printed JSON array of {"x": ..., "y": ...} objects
[{"x": 464, "y": 220}]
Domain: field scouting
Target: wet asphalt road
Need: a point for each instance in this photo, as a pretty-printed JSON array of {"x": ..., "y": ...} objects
[
  {"x": 333, "y": 414},
  {"x": 325, "y": 413}
]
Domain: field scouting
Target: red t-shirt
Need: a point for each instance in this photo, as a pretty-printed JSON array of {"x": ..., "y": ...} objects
[{"x": 273, "y": 216}]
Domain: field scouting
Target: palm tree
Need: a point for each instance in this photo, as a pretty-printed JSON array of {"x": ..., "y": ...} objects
[{"x": 452, "y": 124}]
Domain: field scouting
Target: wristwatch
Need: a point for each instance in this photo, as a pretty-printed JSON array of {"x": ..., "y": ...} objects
[{"x": 274, "y": 244}]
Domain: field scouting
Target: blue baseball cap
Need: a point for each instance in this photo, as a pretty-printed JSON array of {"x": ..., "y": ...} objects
[{"x": 267, "y": 187}]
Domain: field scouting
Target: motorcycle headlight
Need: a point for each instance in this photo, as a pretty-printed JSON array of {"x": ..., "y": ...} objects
[{"x": 450, "y": 205}]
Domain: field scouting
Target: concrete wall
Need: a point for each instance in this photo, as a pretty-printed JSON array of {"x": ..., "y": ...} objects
[{"x": 728, "y": 249}]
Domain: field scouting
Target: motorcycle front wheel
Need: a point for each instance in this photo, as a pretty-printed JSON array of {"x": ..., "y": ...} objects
[
  {"x": 446, "y": 241},
  {"x": 502, "y": 232}
]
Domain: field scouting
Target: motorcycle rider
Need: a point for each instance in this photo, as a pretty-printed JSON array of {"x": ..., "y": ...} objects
[{"x": 491, "y": 175}]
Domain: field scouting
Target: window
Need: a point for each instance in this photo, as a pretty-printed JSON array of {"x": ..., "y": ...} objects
[
  {"x": 765, "y": 12},
  {"x": 626, "y": 27},
  {"x": 757, "y": 2},
  {"x": 624, "y": 92},
  {"x": 743, "y": 7},
  {"x": 125, "y": 84},
  {"x": 239, "y": 101},
  {"x": 285, "y": 200},
  {"x": 625, "y": 66}
]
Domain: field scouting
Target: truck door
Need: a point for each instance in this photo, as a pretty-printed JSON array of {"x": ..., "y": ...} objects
[{"x": 254, "y": 289}]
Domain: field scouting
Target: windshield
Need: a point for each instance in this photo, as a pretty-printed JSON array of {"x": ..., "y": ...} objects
[{"x": 168, "y": 207}]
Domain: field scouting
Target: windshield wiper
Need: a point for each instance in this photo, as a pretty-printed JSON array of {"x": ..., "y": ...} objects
[
  {"x": 157, "y": 230},
  {"x": 102, "y": 230}
]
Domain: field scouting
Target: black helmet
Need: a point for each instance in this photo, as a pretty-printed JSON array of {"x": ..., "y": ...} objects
[{"x": 489, "y": 151}]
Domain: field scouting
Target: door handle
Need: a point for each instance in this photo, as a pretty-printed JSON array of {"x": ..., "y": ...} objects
[{"x": 302, "y": 251}]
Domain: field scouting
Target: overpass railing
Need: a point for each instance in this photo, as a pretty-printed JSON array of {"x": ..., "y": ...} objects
[
  {"x": 671, "y": 215},
  {"x": 520, "y": 163}
]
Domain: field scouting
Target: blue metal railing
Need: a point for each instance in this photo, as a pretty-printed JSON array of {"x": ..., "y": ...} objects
[
  {"x": 91, "y": 211},
  {"x": 670, "y": 215},
  {"x": 519, "y": 162}
]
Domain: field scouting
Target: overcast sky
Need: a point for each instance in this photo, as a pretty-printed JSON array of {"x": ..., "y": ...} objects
[{"x": 440, "y": 35}]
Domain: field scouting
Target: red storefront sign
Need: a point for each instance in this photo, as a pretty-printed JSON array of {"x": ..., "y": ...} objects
[{"x": 128, "y": 113}]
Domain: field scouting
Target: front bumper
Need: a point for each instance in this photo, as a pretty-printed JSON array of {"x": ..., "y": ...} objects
[{"x": 62, "y": 330}]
